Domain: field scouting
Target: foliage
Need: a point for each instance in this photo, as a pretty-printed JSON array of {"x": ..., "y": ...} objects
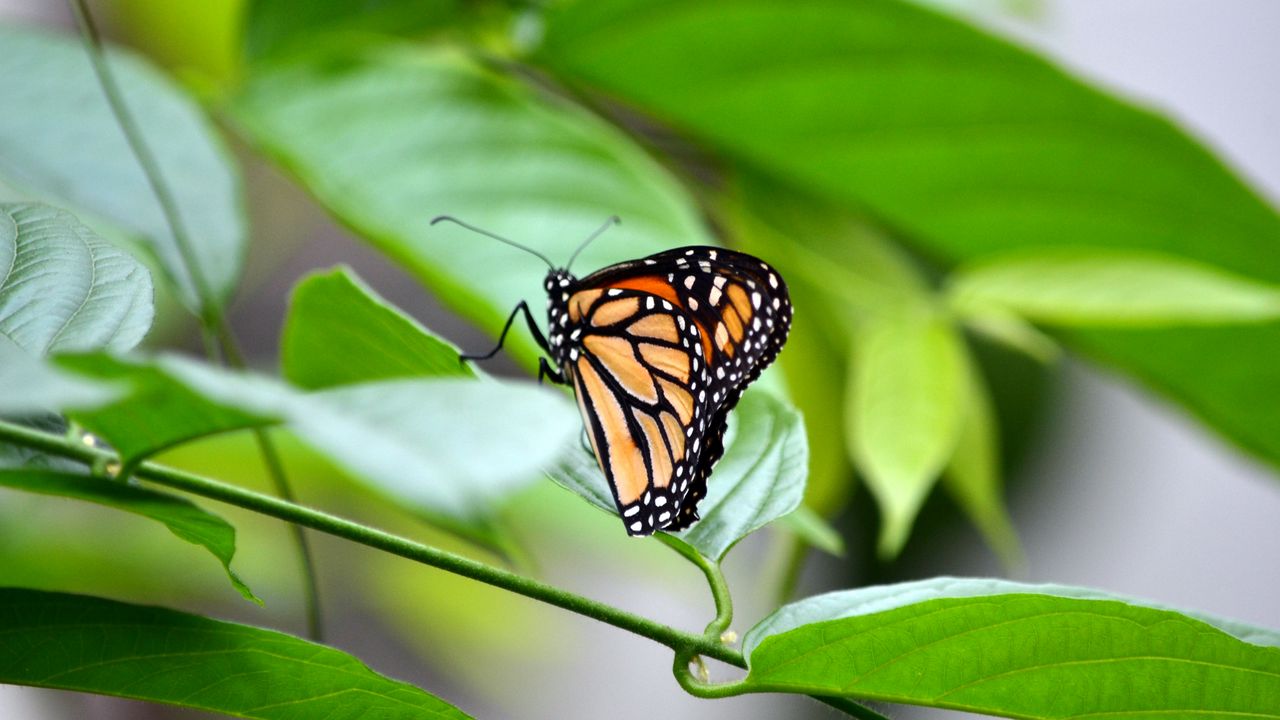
[{"x": 917, "y": 181}]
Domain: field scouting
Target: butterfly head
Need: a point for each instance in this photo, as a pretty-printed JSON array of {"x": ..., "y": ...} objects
[{"x": 558, "y": 282}]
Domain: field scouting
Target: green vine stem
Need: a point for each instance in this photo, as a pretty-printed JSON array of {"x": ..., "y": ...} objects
[
  {"x": 686, "y": 645},
  {"x": 215, "y": 332},
  {"x": 715, "y": 580},
  {"x": 403, "y": 547}
]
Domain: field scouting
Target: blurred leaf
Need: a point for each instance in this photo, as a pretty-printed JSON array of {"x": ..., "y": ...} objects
[
  {"x": 75, "y": 642},
  {"x": 339, "y": 332},
  {"x": 1111, "y": 288},
  {"x": 425, "y": 133},
  {"x": 1028, "y": 651},
  {"x": 973, "y": 476},
  {"x": 962, "y": 142},
  {"x": 66, "y": 289},
  {"x": 440, "y": 447},
  {"x": 276, "y": 27},
  {"x": 905, "y": 406},
  {"x": 183, "y": 518},
  {"x": 1011, "y": 331},
  {"x": 839, "y": 273},
  {"x": 810, "y": 527},
  {"x": 29, "y": 385},
  {"x": 65, "y": 145},
  {"x": 158, "y": 413},
  {"x": 759, "y": 479}
]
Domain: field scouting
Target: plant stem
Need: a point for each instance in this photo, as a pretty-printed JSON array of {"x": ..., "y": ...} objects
[
  {"x": 280, "y": 482},
  {"x": 215, "y": 332},
  {"x": 275, "y": 507},
  {"x": 686, "y": 645},
  {"x": 168, "y": 206},
  {"x": 715, "y": 579}
]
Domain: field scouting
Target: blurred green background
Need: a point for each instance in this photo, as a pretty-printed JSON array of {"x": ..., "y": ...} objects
[{"x": 1107, "y": 485}]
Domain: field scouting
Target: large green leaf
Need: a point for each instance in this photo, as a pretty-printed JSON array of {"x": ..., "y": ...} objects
[
  {"x": 88, "y": 644},
  {"x": 1026, "y": 651},
  {"x": 157, "y": 413},
  {"x": 1112, "y": 288},
  {"x": 183, "y": 519},
  {"x": 455, "y": 448},
  {"x": 31, "y": 386},
  {"x": 63, "y": 288},
  {"x": 452, "y": 449},
  {"x": 759, "y": 479},
  {"x": 906, "y": 404},
  {"x": 340, "y": 332},
  {"x": 274, "y": 27},
  {"x": 424, "y": 133},
  {"x": 59, "y": 140},
  {"x": 964, "y": 143}
]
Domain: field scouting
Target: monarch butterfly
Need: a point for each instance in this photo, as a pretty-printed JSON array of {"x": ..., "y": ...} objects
[{"x": 657, "y": 351}]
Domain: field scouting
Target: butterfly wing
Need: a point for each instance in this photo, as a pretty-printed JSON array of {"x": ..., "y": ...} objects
[
  {"x": 664, "y": 347},
  {"x": 637, "y": 381}
]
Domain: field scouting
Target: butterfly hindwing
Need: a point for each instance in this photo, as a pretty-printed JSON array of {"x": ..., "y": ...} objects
[{"x": 637, "y": 384}]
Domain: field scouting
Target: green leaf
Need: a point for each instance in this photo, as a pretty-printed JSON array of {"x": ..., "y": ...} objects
[
  {"x": 158, "y": 413},
  {"x": 964, "y": 143},
  {"x": 452, "y": 449},
  {"x": 759, "y": 479},
  {"x": 63, "y": 288},
  {"x": 339, "y": 332},
  {"x": 183, "y": 518},
  {"x": 88, "y": 644},
  {"x": 449, "y": 447},
  {"x": 810, "y": 527},
  {"x": 29, "y": 385},
  {"x": 278, "y": 27},
  {"x": 906, "y": 404},
  {"x": 437, "y": 447},
  {"x": 1088, "y": 287},
  {"x": 1011, "y": 331},
  {"x": 62, "y": 143},
  {"x": 425, "y": 133},
  {"x": 1027, "y": 651},
  {"x": 973, "y": 476},
  {"x": 840, "y": 272}
]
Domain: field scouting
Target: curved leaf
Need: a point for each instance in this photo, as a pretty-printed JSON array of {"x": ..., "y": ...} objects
[
  {"x": 426, "y": 133},
  {"x": 157, "y": 413},
  {"x": 30, "y": 385},
  {"x": 75, "y": 642},
  {"x": 453, "y": 449},
  {"x": 1112, "y": 288},
  {"x": 759, "y": 479},
  {"x": 183, "y": 518},
  {"x": 906, "y": 402},
  {"x": 59, "y": 140},
  {"x": 963, "y": 142},
  {"x": 339, "y": 332},
  {"x": 1015, "y": 650},
  {"x": 63, "y": 288}
]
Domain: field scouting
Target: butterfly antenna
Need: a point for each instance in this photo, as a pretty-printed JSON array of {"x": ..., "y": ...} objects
[
  {"x": 613, "y": 220},
  {"x": 499, "y": 238}
]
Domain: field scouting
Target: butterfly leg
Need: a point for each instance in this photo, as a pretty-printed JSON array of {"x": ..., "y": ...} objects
[
  {"x": 523, "y": 307},
  {"x": 545, "y": 370}
]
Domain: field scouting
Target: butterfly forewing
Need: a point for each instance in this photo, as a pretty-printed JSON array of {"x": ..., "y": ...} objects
[{"x": 658, "y": 351}]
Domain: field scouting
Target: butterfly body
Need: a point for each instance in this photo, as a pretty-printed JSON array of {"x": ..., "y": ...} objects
[{"x": 658, "y": 351}]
